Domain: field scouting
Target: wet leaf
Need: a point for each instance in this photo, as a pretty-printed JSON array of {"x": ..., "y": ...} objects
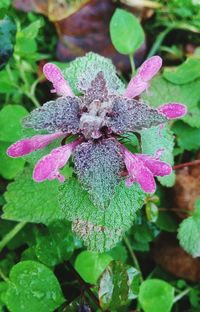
[
  {"x": 113, "y": 286},
  {"x": 33, "y": 287},
  {"x": 9, "y": 167},
  {"x": 189, "y": 232},
  {"x": 30, "y": 201},
  {"x": 100, "y": 229},
  {"x": 156, "y": 295},
  {"x": 56, "y": 244},
  {"x": 126, "y": 32},
  {"x": 184, "y": 73},
  {"x": 11, "y": 115},
  {"x": 188, "y": 138},
  {"x": 90, "y": 265}
]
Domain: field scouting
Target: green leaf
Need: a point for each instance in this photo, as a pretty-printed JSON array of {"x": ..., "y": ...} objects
[
  {"x": 11, "y": 115},
  {"x": 26, "y": 45},
  {"x": 31, "y": 202},
  {"x": 84, "y": 69},
  {"x": 156, "y": 295},
  {"x": 126, "y": 32},
  {"x": 113, "y": 286},
  {"x": 100, "y": 229},
  {"x": 188, "y": 138},
  {"x": 33, "y": 287},
  {"x": 7, "y": 39},
  {"x": 90, "y": 265},
  {"x": 189, "y": 232},
  {"x": 166, "y": 222},
  {"x": 162, "y": 91},
  {"x": 184, "y": 73},
  {"x": 56, "y": 244},
  {"x": 160, "y": 138},
  {"x": 134, "y": 277},
  {"x": 32, "y": 30},
  {"x": 5, "y": 4},
  {"x": 9, "y": 167}
]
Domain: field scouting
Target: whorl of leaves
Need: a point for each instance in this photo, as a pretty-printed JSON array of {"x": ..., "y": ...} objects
[{"x": 59, "y": 115}]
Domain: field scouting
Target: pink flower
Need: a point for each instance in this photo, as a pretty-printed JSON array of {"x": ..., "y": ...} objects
[
  {"x": 48, "y": 167},
  {"x": 142, "y": 169},
  {"x": 29, "y": 145},
  {"x": 146, "y": 72},
  {"x": 173, "y": 110},
  {"x": 140, "y": 83},
  {"x": 53, "y": 74}
]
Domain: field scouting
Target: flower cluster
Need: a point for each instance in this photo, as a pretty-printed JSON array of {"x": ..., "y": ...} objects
[{"x": 96, "y": 119}]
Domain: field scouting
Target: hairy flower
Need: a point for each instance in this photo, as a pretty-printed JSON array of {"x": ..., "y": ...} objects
[
  {"x": 97, "y": 117},
  {"x": 142, "y": 169}
]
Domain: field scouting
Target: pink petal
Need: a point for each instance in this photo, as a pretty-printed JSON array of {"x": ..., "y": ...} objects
[
  {"x": 140, "y": 82},
  {"x": 173, "y": 110},
  {"x": 29, "y": 145},
  {"x": 146, "y": 180},
  {"x": 150, "y": 68},
  {"x": 54, "y": 74},
  {"x": 48, "y": 167},
  {"x": 135, "y": 87},
  {"x": 157, "y": 167}
]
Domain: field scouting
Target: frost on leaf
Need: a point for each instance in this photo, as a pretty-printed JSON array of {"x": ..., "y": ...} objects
[
  {"x": 98, "y": 166},
  {"x": 100, "y": 228},
  {"x": 83, "y": 70},
  {"x": 97, "y": 90},
  {"x": 59, "y": 115},
  {"x": 132, "y": 115},
  {"x": 98, "y": 238}
]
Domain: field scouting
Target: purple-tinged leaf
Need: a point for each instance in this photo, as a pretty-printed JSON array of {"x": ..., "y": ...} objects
[
  {"x": 59, "y": 115},
  {"x": 98, "y": 166},
  {"x": 97, "y": 90},
  {"x": 131, "y": 115}
]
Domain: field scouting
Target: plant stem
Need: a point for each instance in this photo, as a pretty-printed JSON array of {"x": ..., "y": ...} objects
[
  {"x": 33, "y": 99},
  {"x": 159, "y": 40},
  {"x": 181, "y": 295},
  {"x": 187, "y": 164},
  {"x": 9, "y": 236},
  {"x": 4, "y": 278},
  {"x": 132, "y": 64},
  {"x": 83, "y": 284},
  {"x": 133, "y": 256}
]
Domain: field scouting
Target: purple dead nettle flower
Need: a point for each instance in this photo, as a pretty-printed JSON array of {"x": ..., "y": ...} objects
[{"x": 97, "y": 118}]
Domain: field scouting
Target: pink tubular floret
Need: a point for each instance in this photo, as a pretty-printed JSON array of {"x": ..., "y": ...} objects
[{"x": 54, "y": 74}]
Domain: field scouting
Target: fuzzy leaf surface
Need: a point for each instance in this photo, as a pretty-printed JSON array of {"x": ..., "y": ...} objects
[
  {"x": 98, "y": 167},
  {"x": 30, "y": 201},
  {"x": 83, "y": 70},
  {"x": 100, "y": 229}
]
